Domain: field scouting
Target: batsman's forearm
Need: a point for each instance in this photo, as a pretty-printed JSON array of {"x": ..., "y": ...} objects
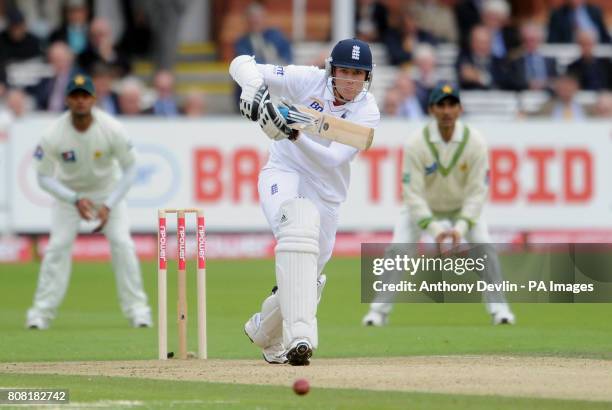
[
  {"x": 56, "y": 188},
  {"x": 122, "y": 188},
  {"x": 243, "y": 70}
]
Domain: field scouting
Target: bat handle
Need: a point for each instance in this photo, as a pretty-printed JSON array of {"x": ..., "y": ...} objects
[{"x": 285, "y": 102}]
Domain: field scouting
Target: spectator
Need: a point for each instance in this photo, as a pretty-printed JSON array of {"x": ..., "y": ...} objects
[
  {"x": 530, "y": 70},
  {"x": 573, "y": 16},
  {"x": 594, "y": 73},
  {"x": 165, "y": 104},
  {"x": 477, "y": 68},
  {"x": 50, "y": 93},
  {"x": 391, "y": 104},
  {"x": 17, "y": 103},
  {"x": 75, "y": 27},
  {"x": 602, "y": 107},
  {"x": 563, "y": 105},
  {"x": 268, "y": 45},
  {"x": 103, "y": 77},
  {"x": 102, "y": 50},
  {"x": 504, "y": 37},
  {"x": 467, "y": 16},
  {"x": 371, "y": 20},
  {"x": 165, "y": 18},
  {"x": 42, "y": 17},
  {"x": 16, "y": 43},
  {"x": 130, "y": 97},
  {"x": 195, "y": 104},
  {"x": 409, "y": 106},
  {"x": 15, "y": 106},
  {"x": 425, "y": 74},
  {"x": 436, "y": 17},
  {"x": 402, "y": 40}
]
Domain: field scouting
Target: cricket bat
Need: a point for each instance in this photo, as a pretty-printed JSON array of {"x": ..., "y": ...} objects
[{"x": 329, "y": 127}]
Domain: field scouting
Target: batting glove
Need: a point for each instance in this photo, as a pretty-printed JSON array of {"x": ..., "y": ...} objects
[
  {"x": 274, "y": 124},
  {"x": 252, "y": 99}
]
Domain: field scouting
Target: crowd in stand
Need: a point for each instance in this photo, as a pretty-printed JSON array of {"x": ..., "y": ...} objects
[
  {"x": 36, "y": 68},
  {"x": 494, "y": 53},
  {"x": 43, "y": 43}
]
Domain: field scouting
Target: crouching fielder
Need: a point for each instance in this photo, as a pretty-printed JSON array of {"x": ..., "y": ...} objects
[
  {"x": 302, "y": 186},
  {"x": 445, "y": 177},
  {"x": 77, "y": 162}
]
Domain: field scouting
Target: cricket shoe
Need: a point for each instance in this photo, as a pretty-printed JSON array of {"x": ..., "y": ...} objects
[
  {"x": 274, "y": 354},
  {"x": 503, "y": 317},
  {"x": 299, "y": 354},
  {"x": 374, "y": 318},
  {"x": 142, "y": 321},
  {"x": 38, "y": 323}
]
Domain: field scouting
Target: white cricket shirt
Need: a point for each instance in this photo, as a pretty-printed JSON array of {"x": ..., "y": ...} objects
[
  {"x": 445, "y": 178},
  {"x": 86, "y": 162},
  {"x": 309, "y": 86}
]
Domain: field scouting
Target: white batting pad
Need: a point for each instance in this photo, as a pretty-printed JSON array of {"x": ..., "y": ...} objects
[
  {"x": 265, "y": 328},
  {"x": 297, "y": 252}
]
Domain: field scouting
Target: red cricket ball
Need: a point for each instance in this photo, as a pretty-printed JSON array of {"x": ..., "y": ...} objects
[{"x": 301, "y": 387}]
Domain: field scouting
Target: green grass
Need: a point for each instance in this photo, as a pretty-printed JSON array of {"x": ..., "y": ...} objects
[
  {"x": 184, "y": 394},
  {"x": 90, "y": 326}
]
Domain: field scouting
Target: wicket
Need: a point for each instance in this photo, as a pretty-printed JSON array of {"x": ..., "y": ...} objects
[{"x": 182, "y": 282}]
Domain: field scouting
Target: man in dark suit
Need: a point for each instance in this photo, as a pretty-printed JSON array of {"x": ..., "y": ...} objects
[
  {"x": 426, "y": 76},
  {"x": 401, "y": 41},
  {"x": 371, "y": 20},
  {"x": 530, "y": 70},
  {"x": 593, "y": 73},
  {"x": 102, "y": 50},
  {"x": 504, "y": 37},
  {"x": 268, "y": 45},
  {"x": 467, "y": 15},
  {"x": 50, "y": 93},
  {"x": 16, "y": 43},
  {"x": 477, "y": 68},
  {"x": 103, "y": 76},
  {"x": 575, "y": 15},
  {"x": 166, "y": 101}
]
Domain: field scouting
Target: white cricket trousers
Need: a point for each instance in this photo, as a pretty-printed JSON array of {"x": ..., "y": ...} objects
[
  {"x": 56, "y": 264},
  {"x": 277, "y": 186},
  {"x": 407, "y": 231}
]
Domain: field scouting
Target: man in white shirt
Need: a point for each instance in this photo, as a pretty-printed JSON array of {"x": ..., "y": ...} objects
[
  {"x": 446, "y": 179},
  {"x": 302, "y": 185},
  {"x": 78, "y": 162}
]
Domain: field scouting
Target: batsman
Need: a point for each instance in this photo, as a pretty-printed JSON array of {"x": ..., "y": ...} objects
[
  {"x": 302, "y": 185},
  {"x": 445, "y": 179}
]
